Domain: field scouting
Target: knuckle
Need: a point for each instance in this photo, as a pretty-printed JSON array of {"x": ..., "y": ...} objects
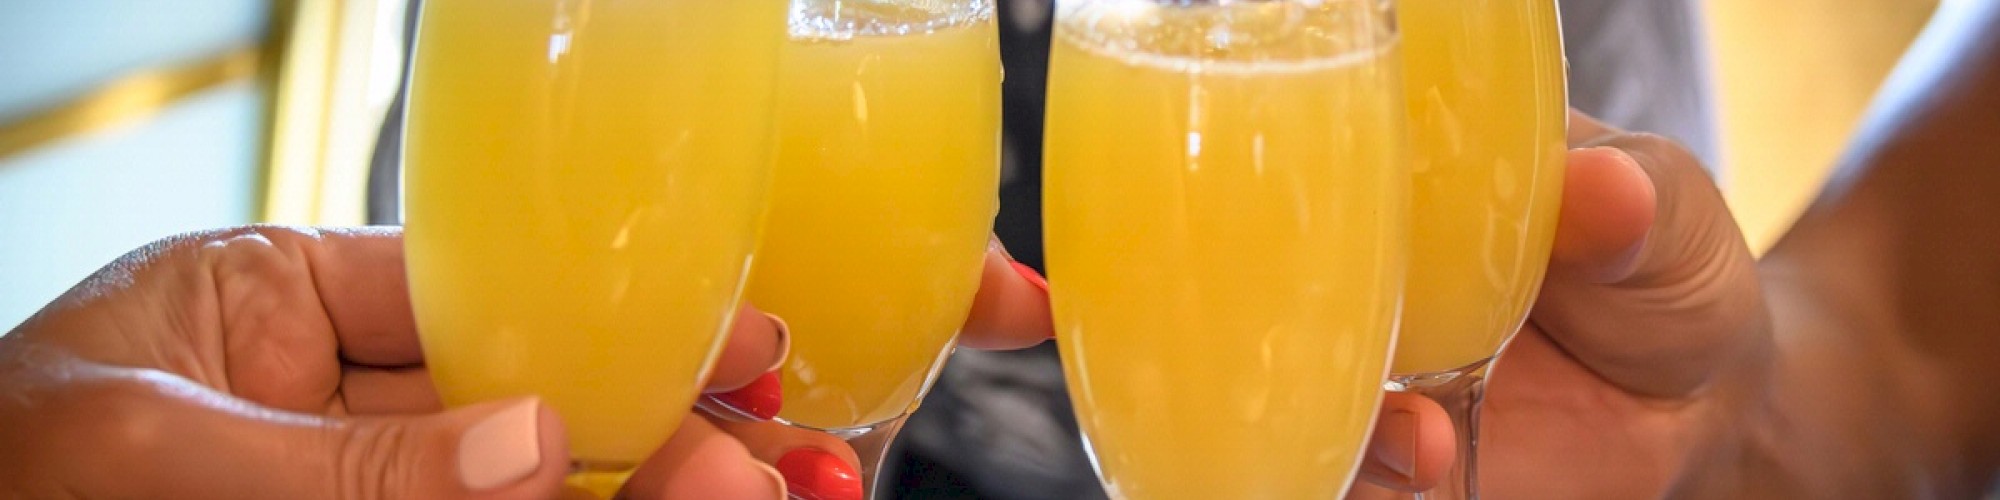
[
  {"x": 243, "y": 250},
  {"x": 205, "y": 244},
  {"x": 1661, "y": 154},
  {"x": 275, "y": 341},
  {"x": 373, "y": 461},
  {"x": 204, "y": 239}
]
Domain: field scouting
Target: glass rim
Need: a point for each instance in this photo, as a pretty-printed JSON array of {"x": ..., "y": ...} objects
[
  {"x": 839, "y": 20},
  {"x": 1230, "y": 36}
]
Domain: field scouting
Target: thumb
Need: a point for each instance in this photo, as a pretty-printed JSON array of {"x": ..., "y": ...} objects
[
  {"x": 1650, "y": 284},
  {"x": 214, "y": 446},
  {"x": 512, "y": 449}
]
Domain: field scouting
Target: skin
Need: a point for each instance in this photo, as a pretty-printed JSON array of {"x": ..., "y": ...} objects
[
  {"x": 1661, "y": 361},
  {"x": 1664, "y": 361},
  {"x": 271, "y": 361},
  {"x": 268, "y": 361}
]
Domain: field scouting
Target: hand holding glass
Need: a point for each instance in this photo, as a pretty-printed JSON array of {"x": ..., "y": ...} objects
[{"x": 584, "y": 183}]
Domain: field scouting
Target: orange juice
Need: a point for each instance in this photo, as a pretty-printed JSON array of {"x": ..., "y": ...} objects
[
  {"x": 584, "y": 186},
  {"x": 1226, "y": 228}
]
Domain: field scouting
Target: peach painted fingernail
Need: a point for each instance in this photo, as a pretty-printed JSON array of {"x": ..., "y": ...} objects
[
  {"x": 502, "y": 448},
  {"x": 760, "y": 400},
  {"x": 812, "y": 474},
  {"x": 784, "y": 341},
  {"x": 1033, "y": 277}
]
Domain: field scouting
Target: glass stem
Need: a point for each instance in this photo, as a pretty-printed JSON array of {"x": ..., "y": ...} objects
[
  {"x": 1460, "y": 399},
  {"x": 873, "y": 448},
  {"x": 593, "y": 482}
]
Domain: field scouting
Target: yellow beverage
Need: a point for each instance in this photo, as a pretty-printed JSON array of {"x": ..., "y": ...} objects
[
  {"x": 1488, "y": 116},
  {"x": 884, "y": 193},
  {"x": 584, "y": 187},
  {"x": 1226, "y": 236}
]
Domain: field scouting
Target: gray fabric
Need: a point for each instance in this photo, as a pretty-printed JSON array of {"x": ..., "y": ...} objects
[
  {"x": 1643, "y": 65},
  {"x": 1002, "y": 422}
]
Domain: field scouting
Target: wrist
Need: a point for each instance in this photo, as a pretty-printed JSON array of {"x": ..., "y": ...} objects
[{"x": 1849, "y": 410}]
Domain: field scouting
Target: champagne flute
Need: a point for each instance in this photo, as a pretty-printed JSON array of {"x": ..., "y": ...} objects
[
  {"x": 584, "y": 186},
  {"x": 1488, "y": 117},
  {"x": 883, "y": 197},
  {"x": 1227, "y": 227}
]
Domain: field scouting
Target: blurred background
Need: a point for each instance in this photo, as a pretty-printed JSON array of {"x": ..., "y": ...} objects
[{"x": 123, "y": 121}]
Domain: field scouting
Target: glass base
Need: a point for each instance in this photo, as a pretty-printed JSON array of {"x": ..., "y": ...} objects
[
  {"x": 871, "y": 441},
  {"x": 1460, "y": 391},
  {"x": 853, "y": 432},
  {"x": 595, "y": 480},
  {"x": 873, "y": 447},
  {"x": 720, "y": 409},
  {"x": 1418, "y": 382}
]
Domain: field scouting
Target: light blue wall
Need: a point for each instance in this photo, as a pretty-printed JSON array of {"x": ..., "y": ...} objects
[
  {"x": 50, "y": 49},
  {"x": 69, "y": 207}
]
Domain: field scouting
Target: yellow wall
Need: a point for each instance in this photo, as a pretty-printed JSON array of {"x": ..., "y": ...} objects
[
  {"x": 1795, "y": 76},
  {"x": 342, "y": 66}
]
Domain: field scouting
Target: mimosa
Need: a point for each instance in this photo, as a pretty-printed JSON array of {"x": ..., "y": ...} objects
[
  {"x": 1488, "y": 115},
  {"x": 885, "y": 191},
  {"x": 583, "y": 190},
  {"x": 1226, "y": 236}
]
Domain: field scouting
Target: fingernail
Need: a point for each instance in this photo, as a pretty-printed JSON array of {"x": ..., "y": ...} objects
[
  {"x": 502, "y": 448},
  {"x": 778, "y": 480},
  {"x": 1396, "y": 442},
  {"x": 760, "y": 400},
  {"x": 1034, "y": 278},
  {"x": 784, "y": 341},
  {"x": 812, "y": 474}
]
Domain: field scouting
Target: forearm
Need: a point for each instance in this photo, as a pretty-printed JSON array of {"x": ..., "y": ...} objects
[
  {"x": 1847, "y": 414},
  {"x": 1888, "y": 290}
]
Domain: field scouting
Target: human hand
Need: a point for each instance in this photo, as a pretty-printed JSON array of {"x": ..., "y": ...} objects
[
  {"x": 1646, "y": 359},
  {"x": 1648, "y": 350},
  {"x": 277, "y": 362}
]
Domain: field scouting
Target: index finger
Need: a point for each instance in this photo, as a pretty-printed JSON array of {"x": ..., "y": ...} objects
[
  {"x": 1011, "y": 309},
  {"x": 361, "y": 281},
  {"x": 359, "y": 276},
  {"x": 1585, "y": 130}
]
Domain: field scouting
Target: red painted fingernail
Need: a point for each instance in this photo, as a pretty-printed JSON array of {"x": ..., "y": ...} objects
[
  {"x": 761, "y": 399},
  {"x": 1033, "y": 277},
  {"x": 812, "y": 474}
]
